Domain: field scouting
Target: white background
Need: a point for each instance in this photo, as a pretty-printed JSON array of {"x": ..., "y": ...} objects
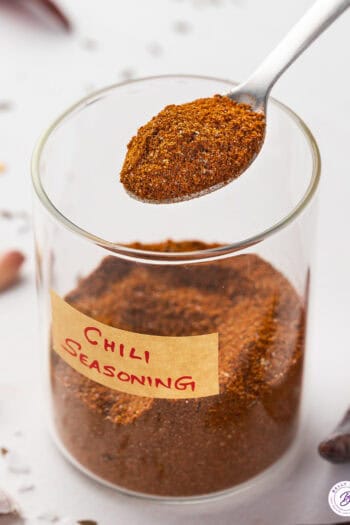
[{"x": 41, "y": 72}]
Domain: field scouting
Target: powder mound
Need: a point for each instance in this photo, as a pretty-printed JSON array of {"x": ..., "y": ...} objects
[
  {"x": 189, "y": 149},
  {"x": 188, "y": 446}
]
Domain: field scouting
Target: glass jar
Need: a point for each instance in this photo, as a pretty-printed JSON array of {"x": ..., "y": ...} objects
[{"x": 174, "y": 334}]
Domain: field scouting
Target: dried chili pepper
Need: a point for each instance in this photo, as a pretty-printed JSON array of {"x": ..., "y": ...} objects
[
  {"x": 47, "y": 6},
  {"x": 10, "y": 264},
  {"x": 336, "y": 448},
  {"x": 57, "y": 13}
]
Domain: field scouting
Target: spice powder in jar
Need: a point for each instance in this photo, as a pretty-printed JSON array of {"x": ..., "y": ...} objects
[{"x": 188, "y": 447}]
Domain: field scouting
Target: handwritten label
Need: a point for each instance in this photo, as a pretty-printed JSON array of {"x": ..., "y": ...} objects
[{"x": 143, "y": 365}]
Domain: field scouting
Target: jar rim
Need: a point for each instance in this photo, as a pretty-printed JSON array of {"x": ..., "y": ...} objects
[{"x": 211, "y": 254}]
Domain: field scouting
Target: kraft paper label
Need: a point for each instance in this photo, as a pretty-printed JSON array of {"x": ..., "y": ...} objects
[{"x": 143, "y": 365}]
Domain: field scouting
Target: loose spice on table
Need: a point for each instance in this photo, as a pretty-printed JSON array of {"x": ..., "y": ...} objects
[
  {"x": 187, "y": 447},
  {"x": 190, "y": 148}
]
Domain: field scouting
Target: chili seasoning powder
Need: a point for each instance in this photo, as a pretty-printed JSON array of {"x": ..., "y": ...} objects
[
  {"x": 188, "y": 447},
  {"x": 189, "y": 149}
]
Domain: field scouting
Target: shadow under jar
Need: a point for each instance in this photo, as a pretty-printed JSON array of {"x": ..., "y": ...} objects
[{"x": 174, "y": 334}]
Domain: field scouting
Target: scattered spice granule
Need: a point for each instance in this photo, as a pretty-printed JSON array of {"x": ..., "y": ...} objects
[
  {"x": 182, "y": 27},
  {"x": 6, "y": 214},
  {"x": 89, "y": 44},
  {"x": 22, "y": 216},
  {"x": 9, "y": 214},
  {"x": 10, "y": 265},
  {"x": 26, "y": 486},
  {"x": 87, "y": 522},
  {"x": 4, "y": 451},
  {"x": 154, "y": 49},
  {"x": 6, "y": 105},
  {"x": 2, "y": 168},
  {"x": 127, "y": 73},
  {"x": 188, "y": 149}
]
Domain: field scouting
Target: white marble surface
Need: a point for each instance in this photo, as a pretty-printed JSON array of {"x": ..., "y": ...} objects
[{"x": 42, "y": 72}]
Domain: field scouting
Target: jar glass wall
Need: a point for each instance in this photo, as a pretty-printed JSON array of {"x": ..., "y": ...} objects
[{"x": 213, "y": 290}]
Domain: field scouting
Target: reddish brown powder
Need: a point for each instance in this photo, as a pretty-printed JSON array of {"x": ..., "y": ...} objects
[
  {"x": 194, "y": 446},
  {"x": 190, "y": 148}
]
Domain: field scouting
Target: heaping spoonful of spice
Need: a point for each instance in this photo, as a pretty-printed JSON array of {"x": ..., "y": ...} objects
[{"x": 192, "y": 149}]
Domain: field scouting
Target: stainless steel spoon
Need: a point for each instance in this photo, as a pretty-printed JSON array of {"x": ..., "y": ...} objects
[{"x": 255, "y": 91}]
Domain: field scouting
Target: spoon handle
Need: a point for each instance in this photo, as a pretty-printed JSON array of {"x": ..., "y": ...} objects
[{"x": 310, "y": 26}]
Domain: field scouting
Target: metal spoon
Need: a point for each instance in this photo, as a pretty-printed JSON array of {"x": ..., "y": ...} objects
[{"x": 255, "y": 91}]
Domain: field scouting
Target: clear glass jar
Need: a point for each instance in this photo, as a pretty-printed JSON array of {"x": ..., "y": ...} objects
[{"x": 175, "y": 368}]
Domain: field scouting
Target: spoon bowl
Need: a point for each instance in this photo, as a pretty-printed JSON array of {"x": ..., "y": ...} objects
[{"x": 154, "y": 174}]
